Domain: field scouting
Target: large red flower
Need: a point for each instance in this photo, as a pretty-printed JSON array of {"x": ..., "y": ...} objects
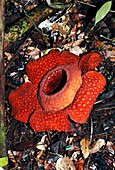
[{"x": 61, "y": 85}]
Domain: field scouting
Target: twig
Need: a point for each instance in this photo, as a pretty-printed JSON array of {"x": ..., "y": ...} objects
[
  {"x": 106, "y": 108},
  {"x": 106, "y": 38},
  {"x": 31, "y": 20},
  {"x": 91, "y": 134},
  {"x": 14, "y": 56},
  {"x": 92, "y": 5}
]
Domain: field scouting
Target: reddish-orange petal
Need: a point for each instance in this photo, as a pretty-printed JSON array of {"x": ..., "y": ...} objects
[
  {"x": 89, "y": 61},
  {"x": 36, "y": 69},
  {"x": 69, "y": 57},
  {"x": 92, "y": 86},
  {"x": 65, "y": 92},
  {"x": 41, "y": 121},
  {"x": 24, "y": 101}
]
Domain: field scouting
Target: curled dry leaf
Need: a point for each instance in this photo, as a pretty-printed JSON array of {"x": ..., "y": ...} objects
[
  {"x": 85, "y": 147},
  {"x": 76, "y": 49},
  {"x": 41, "y": 145},
  {"x": 65, "y": 164},
  {"x": 111, "y": 55},
  {"x": 8, "y": 55},
  {"x": 99, "y": 143},
  {"x": 110, "y": 147}
]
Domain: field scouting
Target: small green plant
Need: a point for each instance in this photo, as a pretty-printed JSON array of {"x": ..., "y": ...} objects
[
  {"x": 102, "y": 12},
  {"x": 3, "y": 161},
  {"x": 23, "y": 29}
]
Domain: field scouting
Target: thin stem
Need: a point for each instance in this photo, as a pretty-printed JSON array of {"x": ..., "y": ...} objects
[
  {"x": 107, "y": 38},
  {"x": 92, "y": 5},
  {"x": 31, "y": 20}
]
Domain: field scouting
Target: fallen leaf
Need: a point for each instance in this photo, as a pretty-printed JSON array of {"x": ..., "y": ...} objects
[
  {"x": 65, "y": 164},
  {"x": 41, "y": 145},
  {"x": 85, "y": 147},
  {"x": 8, "y": 55},
  {"x": 111, "y": 55},
  {"x": 110, "y": 147},
  {"x": 33, "y": 51},
  {"x": 57, "y": 27},
  {"x": 99, "y": 143}
]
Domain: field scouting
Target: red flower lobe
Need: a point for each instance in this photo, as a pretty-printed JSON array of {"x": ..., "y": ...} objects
[
  {"x": 24, "y": 101},
  {"x": 92, "y": 86},
  {"x": 42, "y": 121}
]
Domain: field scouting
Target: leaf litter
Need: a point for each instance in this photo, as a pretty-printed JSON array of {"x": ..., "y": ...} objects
[{"x": 29, "y": 150}]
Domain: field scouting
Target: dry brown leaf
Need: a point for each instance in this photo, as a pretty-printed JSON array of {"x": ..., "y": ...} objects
[
  {"x": 33, "y": 51},
  {"x": 65, "y": 164},
  {"x": 30, "y": 7},
  {"x": 76, "y": 50},
  {"x": 111, "y": 55},
  {"x": 110, "y": 147},
  {"x": 57, "y": 27},
  {"x": 8, "y": 55},
  {"x": 41, "y": 145},
  {"x": 85, "y": 147},
  {"x": 98, "y": 44},
  {"x": 99, "y": 143}
]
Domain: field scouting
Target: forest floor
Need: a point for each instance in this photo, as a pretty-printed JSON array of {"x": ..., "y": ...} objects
[{"x": 91, "y": 146}]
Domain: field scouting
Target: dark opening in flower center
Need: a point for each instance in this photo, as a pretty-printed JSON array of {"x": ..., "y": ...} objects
[{"x": 55, "y": 82}]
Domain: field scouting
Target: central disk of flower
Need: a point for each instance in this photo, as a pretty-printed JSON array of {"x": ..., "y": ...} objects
[
  {"x": 55, "y": 82},
  {"x": 59, "y": 86}
]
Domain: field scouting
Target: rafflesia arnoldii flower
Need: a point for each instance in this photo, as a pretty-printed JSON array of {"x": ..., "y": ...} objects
[{"x": 61, "y": 85}]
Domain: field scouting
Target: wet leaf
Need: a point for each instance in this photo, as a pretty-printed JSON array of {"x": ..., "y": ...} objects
[
  {"x": 103, "y": 11},
  {"x": 108, "y": 95},
  {"x": 85, "y": 147}
]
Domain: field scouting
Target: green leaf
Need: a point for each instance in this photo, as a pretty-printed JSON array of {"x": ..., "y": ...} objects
[
  {"x": 103, "y": 11},
  {"x": 3, "y": 161}
]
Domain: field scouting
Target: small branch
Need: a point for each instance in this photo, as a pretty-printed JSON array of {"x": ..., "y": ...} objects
[
  {"x": 91, "y": 134},
  {"x": 94, "y": 6}
]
